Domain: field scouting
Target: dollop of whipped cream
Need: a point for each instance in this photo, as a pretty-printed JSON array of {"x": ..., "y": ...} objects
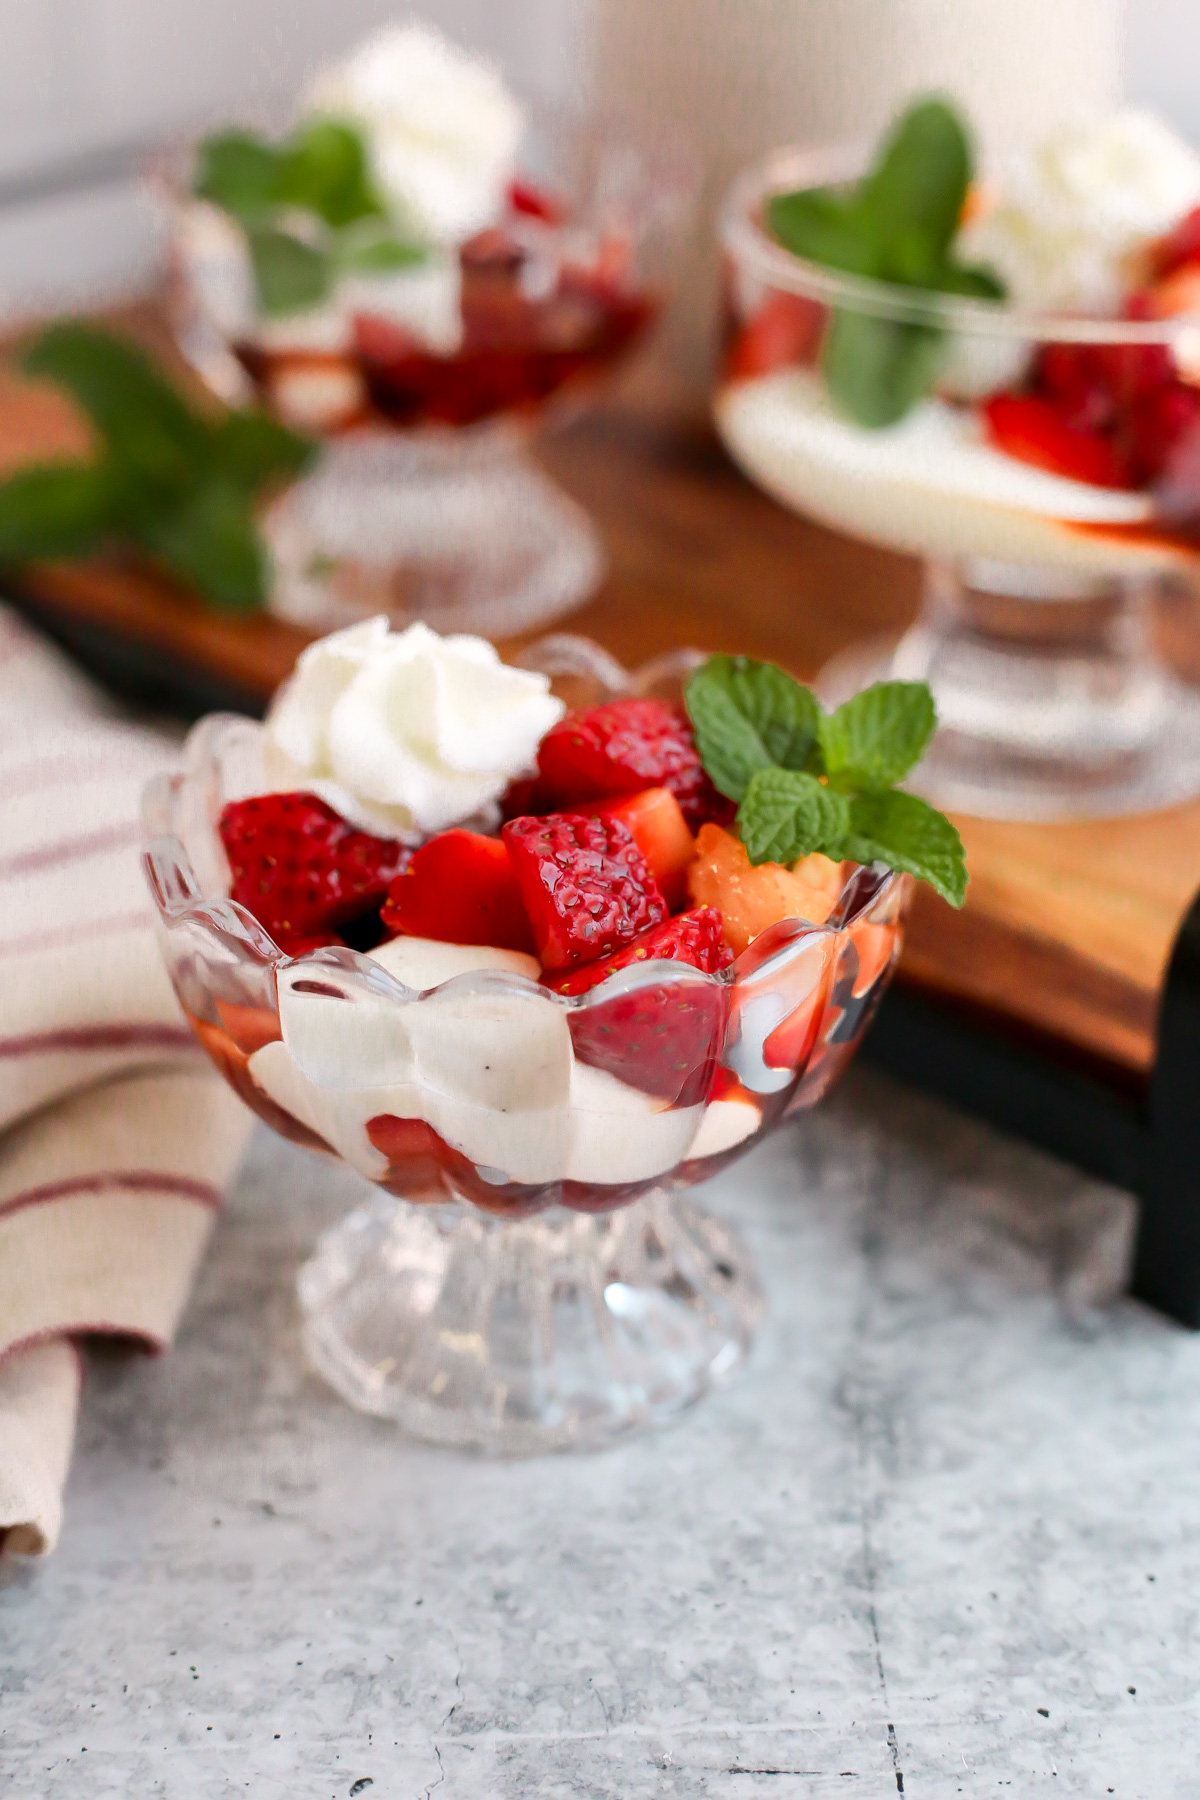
[
  {"x": 442, "y": 128},
  {"x": 1073, "y": 214},
  {"x": 406, "y": 733}
]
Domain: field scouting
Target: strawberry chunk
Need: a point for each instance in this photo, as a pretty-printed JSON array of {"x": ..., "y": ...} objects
[
  {"x": 585, "y": 885},
  {"x": 694, "y": 937},
  {"x": 300, "y": 869},
  {"x": 459, "y": 888},
  {"x": 621, "y": 748},
  {"x": 1029, "y": 428},
  {"x": 664, "y": 1038},
  {"x": 536, "y": 202},
  {"x": 662, "y": 835}
]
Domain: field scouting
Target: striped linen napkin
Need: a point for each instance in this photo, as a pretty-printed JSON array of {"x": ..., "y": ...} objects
[{"x": 116, "y": 1139}]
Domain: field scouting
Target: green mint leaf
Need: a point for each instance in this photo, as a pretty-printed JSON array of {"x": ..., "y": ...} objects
[
  {"x": 59, "y": 510},
  {"x": 825, "y": 228},
  {"x": 914, "y": 195},
  {"x": 211, "y": 542},
  {"x": 875, "y": 738},
  {"x": 239, "y": 172},
  {"x": 907, "y": 833},
  {"x": 253, "y": 450},
  {"x": 877, "y": 369},
  {"x": 787, "y": 814},
  {"x": 291, "y": 276},
  {"x": 748, "y": 715},
  {"x": 974, "y": 281},
  {"x": 323, "y": 169},
  {"x": 134, "y": 408}
]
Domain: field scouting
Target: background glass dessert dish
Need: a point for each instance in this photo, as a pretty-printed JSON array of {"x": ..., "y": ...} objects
[
  {"x": 529, "y": 1275},
  {"x": 424, "y": 384},
  {"x": 1035, "y": 631}
]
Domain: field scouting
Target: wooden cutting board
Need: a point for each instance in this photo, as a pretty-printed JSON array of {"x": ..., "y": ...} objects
[{"x": 1067, "y": 929}]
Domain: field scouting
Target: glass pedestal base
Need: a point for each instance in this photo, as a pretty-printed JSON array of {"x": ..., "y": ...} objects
[
  {"x": 458, "y": 528},
  {"x": 1052, "y": 704},
  {"x": 512, "y": 1337}
]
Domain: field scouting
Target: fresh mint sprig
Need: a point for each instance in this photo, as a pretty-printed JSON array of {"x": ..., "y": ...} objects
[
  {"x": 897, "y": 225},
  {"x": 309, "y": 208},
  {"x": 168, "y": 481},
  {"x": 807, "y": 780}
]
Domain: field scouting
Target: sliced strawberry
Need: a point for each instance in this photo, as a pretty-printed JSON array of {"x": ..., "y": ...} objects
[
  {"x": 622, "y": 748},
  {"x": 585, "y": 885},
  {"x": 664, "y": 1038},
  {"x": 301, "y": 869},
  {"x": 662, "y": 835},
  {"x": 785, "y": 330},
  {"x": 1029, "y": 428},
  {"x": 459, "y": 888},
  {"x": 694, "y": 937}
]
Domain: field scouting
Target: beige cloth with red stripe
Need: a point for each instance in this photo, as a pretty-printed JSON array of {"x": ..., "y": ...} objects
[{"x": 116, "y": 1139}]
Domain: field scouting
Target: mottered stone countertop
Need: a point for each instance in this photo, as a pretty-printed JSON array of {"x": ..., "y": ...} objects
[{"x": 940, "y": 1539}]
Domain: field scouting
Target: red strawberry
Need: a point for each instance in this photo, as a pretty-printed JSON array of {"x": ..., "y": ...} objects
[
  {"x": 1157, "y": 422},
  {"x": 459, "y": 888},
  {"x": 662, "y": 836},
  {"x": 536, "y": 202},
  {"x": 1179, "y": 246},
  {"x": 1029, "y": 428},
  {"x": 694, "y": 937},
  {"x": 621, "y": 748},
  {"x": 585, "y": 886},
  {"x": 300, "y": 869},
  {"x": 663, "y": 1038},
  {"x": 786, "y": 329}
]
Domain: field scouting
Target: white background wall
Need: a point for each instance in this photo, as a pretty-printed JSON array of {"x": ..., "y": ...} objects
[{"x": 84, "y": 81}]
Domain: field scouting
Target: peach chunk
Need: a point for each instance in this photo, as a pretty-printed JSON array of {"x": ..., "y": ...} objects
[{"x": 748, "y": 898}]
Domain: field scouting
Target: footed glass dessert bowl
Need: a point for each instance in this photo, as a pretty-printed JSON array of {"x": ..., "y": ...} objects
[
  {"x": 1043, "y": 461},
  {"x": 415, "y": 274},
  {"x": 531, "y": 1274}
]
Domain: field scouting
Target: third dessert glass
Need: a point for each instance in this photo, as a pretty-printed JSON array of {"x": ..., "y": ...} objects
[
  {"x": 503, "y": 262},
  {"x": 528, "y": 1275},
  {"x": 1035, "y": 632}
]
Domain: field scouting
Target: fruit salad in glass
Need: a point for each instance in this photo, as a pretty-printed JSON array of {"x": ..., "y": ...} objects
[
  {"x": 533, "y": 971},
  {"x": 412, "y": 272},
  {"x": 1002, "y": 376}
]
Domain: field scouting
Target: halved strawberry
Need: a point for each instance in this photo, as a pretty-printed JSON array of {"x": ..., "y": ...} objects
[
  {"x": 662, "y": 835},
  {"x": 585, "y": 885},
  {"x": 694, "y": 937},
  {"x": 1029, "y": 428},
  {"x": 301, "y": 869},
  {"x": 622, "y": 748},
  {"x": 459, "y": 888}
]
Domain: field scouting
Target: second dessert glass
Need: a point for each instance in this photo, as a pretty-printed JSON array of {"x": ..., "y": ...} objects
[
  {"x": 1036, "y": 628},
  {"x": 529, "y": 1275},
  {"x": 426, "y": 503}
]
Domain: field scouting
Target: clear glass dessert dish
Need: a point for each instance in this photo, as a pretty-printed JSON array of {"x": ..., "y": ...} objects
[
  {"x": 1036, "y": 628},
  {"x": 529, "y": 1275},
  {"x": 423, "y": 384}
]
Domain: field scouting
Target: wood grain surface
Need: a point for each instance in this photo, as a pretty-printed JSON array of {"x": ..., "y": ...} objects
[{"x": 1067, "y": 929}]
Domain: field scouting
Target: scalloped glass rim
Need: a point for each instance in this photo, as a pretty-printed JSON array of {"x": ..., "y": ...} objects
[
  {"x": 181, "y": 895},
  {"x": 785, "y": 170}
]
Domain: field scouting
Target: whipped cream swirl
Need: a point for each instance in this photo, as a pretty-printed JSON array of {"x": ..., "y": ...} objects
[
  {"x": 442, "y": 128},
  {"x": 1073, "y": 214},
  {"x": 406, "y": 733}
]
